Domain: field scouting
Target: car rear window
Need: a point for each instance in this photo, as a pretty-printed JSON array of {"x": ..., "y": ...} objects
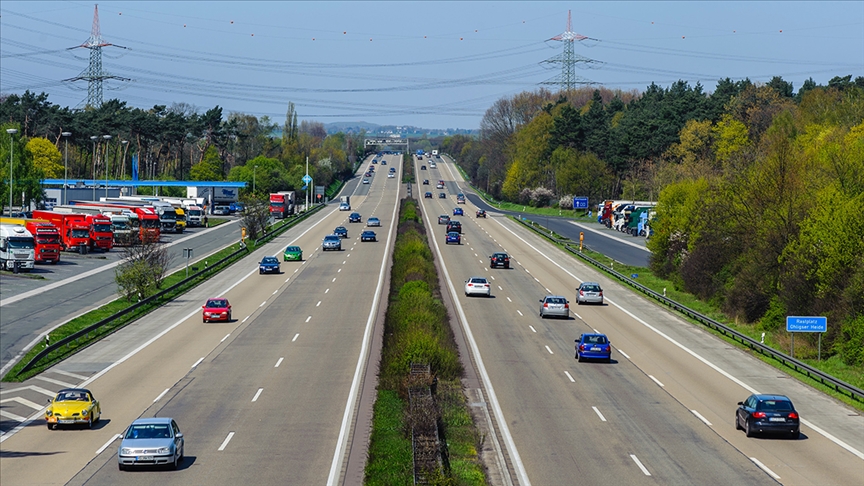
[
  {"x": 774, "y": 405},
  {"x": 591, "y": 288},
  {"x": 555, "y": 300},
  {"x": 478, "y": 280},
  {"x": 595, "y": 339}
]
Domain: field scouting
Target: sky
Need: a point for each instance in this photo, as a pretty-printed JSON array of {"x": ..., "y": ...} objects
[{"x": 430, "y": 64}]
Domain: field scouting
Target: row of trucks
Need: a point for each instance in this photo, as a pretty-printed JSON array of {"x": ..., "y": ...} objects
[
  {"x": 282, "y": 204},
  {"x": 631, "y": 217}
]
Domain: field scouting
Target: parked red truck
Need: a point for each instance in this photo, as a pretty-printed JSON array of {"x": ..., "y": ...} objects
[
  {"x": 148, "y": 220},
  {"x": 46, "y": 236},
  {"x": 74, "y": 229}
]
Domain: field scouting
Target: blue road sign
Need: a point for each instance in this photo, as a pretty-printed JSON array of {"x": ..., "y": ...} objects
[
  {"x": 304, "y": 187},
  {"x": 306, "y": 179},
  {"x": 806, "y": 324},
  {"x": 580, "y": 203}
]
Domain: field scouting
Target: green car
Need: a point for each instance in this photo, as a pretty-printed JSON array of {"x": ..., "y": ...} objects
[{"x": 293, "y": 253}]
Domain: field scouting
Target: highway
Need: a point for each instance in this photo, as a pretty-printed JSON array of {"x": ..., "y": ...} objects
[
  {"x": 273, "y": 384},
  {"x": 80, "y": 283},
  {"x": 660, "y": 413},
  {"x": 271, "y": 397}
]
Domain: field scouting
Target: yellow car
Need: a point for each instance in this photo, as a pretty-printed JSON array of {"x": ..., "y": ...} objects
[{"x": 73, "y": 406}]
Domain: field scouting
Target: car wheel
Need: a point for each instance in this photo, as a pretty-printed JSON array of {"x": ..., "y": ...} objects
[
  {"x": 176, "y": 463},
  {"x": 793, "y": 435},
  {"x": 90, "y": 422},
  {"x": 50, "y": 426},
  {"x": 204, "y": 321},
  {"x": 121, "y": 467},
  {"x": 737, "y": 423},
  {"x": 579, "y": 358},
  {"x": 747, "y": 431},
  {"x": 578, "y": 302}
]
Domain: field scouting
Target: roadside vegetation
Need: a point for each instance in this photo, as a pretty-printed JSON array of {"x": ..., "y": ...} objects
[
  {"x": 130, "y": 298},
  {"x": 417, "y": 331}
]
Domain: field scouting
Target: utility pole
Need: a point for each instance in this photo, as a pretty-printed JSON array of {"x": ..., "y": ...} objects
[
  {"x": 93, "y": 139},
  {"x": 10, "y": 131},
  {"x": 66, "y": 136},
  {"x": 94, "y": 75},
  {"x": 567, "y": 80},
  {"x": 105, "y": 158}
]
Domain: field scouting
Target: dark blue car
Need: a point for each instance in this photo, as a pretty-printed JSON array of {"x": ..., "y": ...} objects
[
  {"x": 593, "y": 346},
  {"x": 771, "y": 414},
  {"x": 237, "y": 207},
  {"x": 268, "y": 264},
  {"x": 341, "y": 232}
]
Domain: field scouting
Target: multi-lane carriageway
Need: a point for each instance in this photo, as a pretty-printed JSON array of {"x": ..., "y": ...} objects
[{"x": 271, "y": 397}]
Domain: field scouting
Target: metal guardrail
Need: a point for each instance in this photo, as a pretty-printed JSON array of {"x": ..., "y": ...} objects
[
  {"x": 155, "y": 297},
  {"x": 800, "y": 367}
]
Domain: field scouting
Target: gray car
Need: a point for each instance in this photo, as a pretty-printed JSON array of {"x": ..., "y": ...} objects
[
  {"x": 589, "y": 293},
  {"x": 554, "y": 305},
  {"x": 151, "y": 442},
  {"x": 332, "y": 242}
]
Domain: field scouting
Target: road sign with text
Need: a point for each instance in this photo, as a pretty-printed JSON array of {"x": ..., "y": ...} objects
[{"x": 806, "y": 324}]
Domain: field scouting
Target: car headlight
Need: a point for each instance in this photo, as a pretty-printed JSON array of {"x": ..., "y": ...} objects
[
  {"x": 84, "y": 413},
  {"x": 48, "y": 413},
  {"x": 125, "y": 451},
  {"x": 164, "y": 450}
]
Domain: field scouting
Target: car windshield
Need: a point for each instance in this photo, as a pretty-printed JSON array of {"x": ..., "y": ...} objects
[
  {"x": 292, "y": 249},
  {"x": 554, "y": 300},
  {"x": 331, "y": 238},
  {"x": 72, "y": 396},
  {"x": 149, "y": 431},
  {"x": 775, "y": 405},
  {"x": 373, "y": 220},
  {"x": 217, "y": 303},
  {"x": 269, "y": 260},
  {"x": 595, "y": 339}
]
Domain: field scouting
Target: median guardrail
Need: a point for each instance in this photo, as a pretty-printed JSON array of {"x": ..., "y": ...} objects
[
  {"x": 159, "y": 295},
  {"x": 800, "y": 367}
]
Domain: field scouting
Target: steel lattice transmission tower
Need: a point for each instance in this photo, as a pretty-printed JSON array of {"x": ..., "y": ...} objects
[
  {"x": 568, "y": 59},
  {"x": 94, "y": 75}
]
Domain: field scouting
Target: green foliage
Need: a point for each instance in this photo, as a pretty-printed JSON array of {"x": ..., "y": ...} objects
[
  {"x": 390, "y": 456},
  {"x": 850, "y": 343},
  {"x": 46, "y": 158}
]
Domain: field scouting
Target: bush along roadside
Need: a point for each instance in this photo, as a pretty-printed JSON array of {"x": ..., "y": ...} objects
[
  {"x": 121, "y": 305},
  {"x": 421, "y": 415}
]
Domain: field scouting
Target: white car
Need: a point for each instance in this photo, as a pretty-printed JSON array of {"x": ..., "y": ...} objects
[
  {"x": 391, "y": 175},
  {"x": 344, "y": 207},
  {"x": 365, "y": 181},
  {"x": 478, "y": 286}
]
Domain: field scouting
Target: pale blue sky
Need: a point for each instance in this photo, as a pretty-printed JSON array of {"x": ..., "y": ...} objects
[{"x": 428, "y": 64}]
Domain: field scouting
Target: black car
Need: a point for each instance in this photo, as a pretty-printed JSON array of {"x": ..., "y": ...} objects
[
  {"x": 425, "y": 182},
  {"x": 499, "y": 259},
  {"x": 481, "y": 213},
  {"x": 441, "y": 195},
  {"x": 354, "y": 218},
  {"x": 422, "y": 167},
  {"x": 453, "y": 225},
  {"x": 368, "y": 236},
  {"x": 428, "y": 195},
  {"x": 772, "y": 414},
  {"x": 341, "y": 232}
]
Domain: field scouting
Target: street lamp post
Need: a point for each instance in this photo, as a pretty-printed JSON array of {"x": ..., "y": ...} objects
[
  {"x": 123, "y": 162},
  {"x": 66, "y": 136},
  {"x": 10, "y": 131},
  {"x": 254, "y": 168},
  {"x": 105, "y": 157},
  {"x": 93, "y": 175}
]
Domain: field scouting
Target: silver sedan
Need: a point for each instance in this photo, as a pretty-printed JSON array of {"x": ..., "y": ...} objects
[
  {"x": 589, "y": 293},
  {"x": 554, "y": 305}
]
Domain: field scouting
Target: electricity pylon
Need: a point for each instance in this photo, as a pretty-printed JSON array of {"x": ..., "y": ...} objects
[
  {"x": 94, "y": 75},
  {"x": 567, "y": 80}
]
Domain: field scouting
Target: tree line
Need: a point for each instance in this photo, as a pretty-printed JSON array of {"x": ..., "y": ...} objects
[
  {"x": 179, "y": 142},
  {"x": 759, "y": 188}
]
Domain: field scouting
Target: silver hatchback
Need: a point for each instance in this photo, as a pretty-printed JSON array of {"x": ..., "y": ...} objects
[
  {"x": 554, "y": 305},
  {"x": 151, "y": 442},
  {"x": 589, "y": 293}
]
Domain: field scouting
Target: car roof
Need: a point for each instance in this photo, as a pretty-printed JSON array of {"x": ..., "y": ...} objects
[
  {"x": 453, "y": 233},
  {"x": 292, "y": 248},
  {"x": 152, "y": 420},
  {"x": 765, "y": 396},
  {"x": 554, "y": 297},
  {"x": 589, "y": 283},
  {"x": 79, "y": 390}
]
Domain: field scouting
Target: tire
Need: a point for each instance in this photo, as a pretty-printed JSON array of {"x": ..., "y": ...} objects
[
  {"x": 579, "y": 358},
  {"x": 50, "y": 426},
  {"x": 175, "y": 464},
  {"x": 737, "y": 423},
  {"x": 793, "y": 435},
  {"x": 121, "y": 467},
  {"x": 747, "y": 431}
]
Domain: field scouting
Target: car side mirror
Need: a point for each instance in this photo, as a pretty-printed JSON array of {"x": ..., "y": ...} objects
[
  {"x": 203, "y": 306},
  {"x": 179, "y": 435},
  {"x": 740, "y": 403},
  {"x": 541, "y": 300},
  {"x": 229, "y": 306}
]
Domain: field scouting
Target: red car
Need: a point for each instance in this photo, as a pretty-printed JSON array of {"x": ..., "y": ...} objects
[{"x": 217, "y": 310}]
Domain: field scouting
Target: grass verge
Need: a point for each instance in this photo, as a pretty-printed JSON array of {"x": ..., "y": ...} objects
[
  {"x": 776, "y": 340},
  {"x": 85, "y": 320},
  {"x": 417, "y": 330}
]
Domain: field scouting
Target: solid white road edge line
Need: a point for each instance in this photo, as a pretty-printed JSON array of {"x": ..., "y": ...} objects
[
  {"x": 689, "y": 351},
  {"x": 226, "y": 441},
  {"x": 112, "y": 439},
  {"x": 623, "y": 354},
  {"x": 342, "y": 442},
  {"x": 764, "y": 468},
  {"x": 484, "y": 375},
  {"x": 161, "y": 395},
  {"x": 198, "y": 362},
  {"x": 655, "y": 380},
  {"x": 639, "y": 463},
  {"x": 150, "y": 341},
  {"x": 226, "y": 337},
  {"x": 597, "y": 411}
]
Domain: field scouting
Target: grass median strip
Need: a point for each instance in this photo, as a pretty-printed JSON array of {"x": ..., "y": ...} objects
[
  {"x": 417, "y": 330},
  {"x": 86, "y": 320}
]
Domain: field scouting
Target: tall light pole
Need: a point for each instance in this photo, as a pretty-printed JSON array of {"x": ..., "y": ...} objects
[
  {"x": 66, "y": 136},
  {"x": 10, "y": 131},
  {"x": 93, "y": 175},
  {"x": 105, "y": 158},
  {"x": 254, "y": 168},
  {"x": 123, "y": 162}
]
